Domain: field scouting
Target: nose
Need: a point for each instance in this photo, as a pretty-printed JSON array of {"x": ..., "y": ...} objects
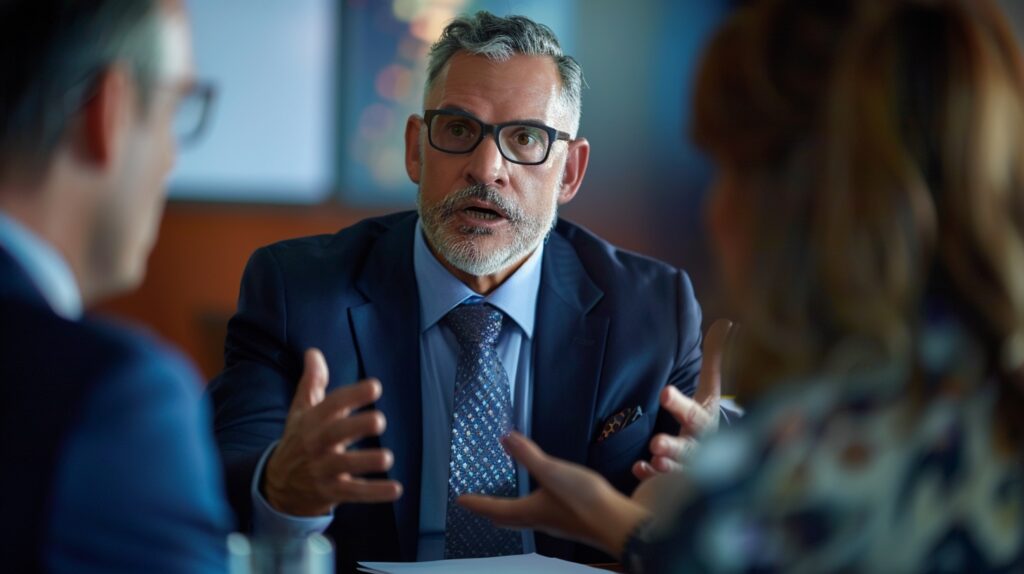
[{"x": 486, "y": 166}]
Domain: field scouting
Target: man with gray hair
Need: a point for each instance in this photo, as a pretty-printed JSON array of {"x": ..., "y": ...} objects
[{"x": 478, "y": 313}]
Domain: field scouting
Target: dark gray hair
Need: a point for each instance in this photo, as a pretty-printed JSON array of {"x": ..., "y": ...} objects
[
  {"x": 51, "y": 53},
  {"x": 500, "y": 38}
]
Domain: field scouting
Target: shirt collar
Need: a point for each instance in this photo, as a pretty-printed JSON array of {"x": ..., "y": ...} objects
[
  {"x": 440, "y": 291},
  {"x": 45, "y": 267}
]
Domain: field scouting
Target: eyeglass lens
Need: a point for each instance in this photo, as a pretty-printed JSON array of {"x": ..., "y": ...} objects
[
  {"x": 190, "y": 117},
  {"x": 522, "y": 143}
]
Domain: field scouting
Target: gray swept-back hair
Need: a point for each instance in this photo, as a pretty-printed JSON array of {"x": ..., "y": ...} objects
[{"x": 499, "y": 38}]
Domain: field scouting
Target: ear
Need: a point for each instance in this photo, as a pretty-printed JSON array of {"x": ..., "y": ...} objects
[
  {"x": 413, "y": 145},
  {"x": 575, "y": 168},
  {"x": 106, "y": 117}
]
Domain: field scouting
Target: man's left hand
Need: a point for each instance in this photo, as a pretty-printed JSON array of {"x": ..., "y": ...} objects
[{"x": 695, "y": 415}]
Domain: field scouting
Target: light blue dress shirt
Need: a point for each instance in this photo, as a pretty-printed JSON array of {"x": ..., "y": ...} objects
[
  {"x": 440, "y": 292},
  {"x": 46, "y": 267}
]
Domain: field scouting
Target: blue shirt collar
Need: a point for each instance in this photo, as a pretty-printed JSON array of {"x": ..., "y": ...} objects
[
  {"x": 45, "y": 267},
  {"x": 440, "y": 291}
]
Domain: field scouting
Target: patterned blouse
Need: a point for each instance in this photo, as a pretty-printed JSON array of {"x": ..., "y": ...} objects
[{"x": 850, "y": 476}]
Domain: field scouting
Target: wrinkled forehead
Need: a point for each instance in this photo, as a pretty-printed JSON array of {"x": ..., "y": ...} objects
[{"x": 520, "y": 87}]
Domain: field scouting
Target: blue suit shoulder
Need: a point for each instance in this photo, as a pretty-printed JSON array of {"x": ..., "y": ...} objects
[
  {"x": 51, "y": 347},
  {"x": 327, "y": 261},
  {"x": 630, "y": 282},
  {"x": 135, "y": 486},
  {"x": 605, "y": 258}
]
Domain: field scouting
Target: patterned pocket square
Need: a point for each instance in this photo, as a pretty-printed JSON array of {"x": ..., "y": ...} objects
[{"x": 619, "y": 421}]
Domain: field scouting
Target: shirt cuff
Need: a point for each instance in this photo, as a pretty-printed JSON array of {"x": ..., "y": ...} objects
[{"x": 268, "y": 522}]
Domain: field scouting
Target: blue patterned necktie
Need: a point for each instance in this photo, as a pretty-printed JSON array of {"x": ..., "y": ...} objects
[{"x": 482, "y": 413}]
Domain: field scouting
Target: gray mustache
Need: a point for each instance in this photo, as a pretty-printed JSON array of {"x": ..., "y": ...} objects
[{"x": 454, "y": 202}]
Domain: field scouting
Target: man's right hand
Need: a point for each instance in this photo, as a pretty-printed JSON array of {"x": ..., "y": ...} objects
[{"x": 311, "y": 470}]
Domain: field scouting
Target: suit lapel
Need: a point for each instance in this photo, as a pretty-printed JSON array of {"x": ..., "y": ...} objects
[
  {"x": 569, "y": 346},
  {"x": 387, "y": 339}
]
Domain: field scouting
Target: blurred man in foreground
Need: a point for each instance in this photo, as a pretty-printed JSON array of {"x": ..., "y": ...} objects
[{"x": 108, "y": 463}]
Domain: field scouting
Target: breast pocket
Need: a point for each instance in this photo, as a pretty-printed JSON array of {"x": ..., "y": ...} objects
[{"x": 623, "y": 448}]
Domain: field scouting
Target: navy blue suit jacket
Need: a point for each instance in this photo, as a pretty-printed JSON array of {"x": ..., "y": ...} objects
[
  {"x": 108, "y": 461},
  {"x": 612, "y": 329}
]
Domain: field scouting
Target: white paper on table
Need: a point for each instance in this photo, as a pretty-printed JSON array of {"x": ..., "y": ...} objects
[{"x": 518, "y": 564}]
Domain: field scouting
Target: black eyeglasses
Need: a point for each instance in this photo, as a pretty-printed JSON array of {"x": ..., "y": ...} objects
[
  {"x": 522, "y": 142},
  {"x": 192, "y": 115}
]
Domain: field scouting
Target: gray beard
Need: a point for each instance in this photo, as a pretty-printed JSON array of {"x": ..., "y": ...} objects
[{"x": 460, "y": 248}]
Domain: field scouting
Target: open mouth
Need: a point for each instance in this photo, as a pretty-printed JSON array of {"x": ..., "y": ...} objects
[{"x": 482, "y": 213}]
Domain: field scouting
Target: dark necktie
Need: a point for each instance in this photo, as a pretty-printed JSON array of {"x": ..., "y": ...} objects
[{"x": 482, "y": 413}]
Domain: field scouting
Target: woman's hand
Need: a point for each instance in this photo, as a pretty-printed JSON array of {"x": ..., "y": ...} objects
[{"x": 572, "y": 502}]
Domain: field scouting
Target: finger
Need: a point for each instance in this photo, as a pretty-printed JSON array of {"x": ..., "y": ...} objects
[
  {"x": 673, "y": 447},
  {"x": 358, "y": 462},
  {"x": 564, "y": 480},
  {"x": 691, "y": 416},
  {"x": 526, "y": 452},
  {"x": 664, "y": 465},
  {"x": 341, "y": 402},
  {"x": 313, "y": 382},
  {"x": 347, "y": 430},
  {"x": 709, "y": 385},
  {"x": 505, "y": 512},
  {"x": 643, "y": 470},
  {"x": 354, "y": 489}
]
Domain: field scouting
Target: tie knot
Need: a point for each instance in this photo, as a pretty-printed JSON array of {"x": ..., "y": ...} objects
[{"x": 475, "y": 324}]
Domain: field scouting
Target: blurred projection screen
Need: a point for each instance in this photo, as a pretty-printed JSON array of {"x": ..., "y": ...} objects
[{"x": 272, "y": 130}]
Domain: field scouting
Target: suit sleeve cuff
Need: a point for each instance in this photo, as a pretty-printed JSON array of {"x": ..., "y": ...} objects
[{"x": 266, "y": 521}]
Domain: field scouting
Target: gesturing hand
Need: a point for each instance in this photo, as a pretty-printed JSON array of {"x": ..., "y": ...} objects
[
  {"x": 572, "y": 502},
  {"x": 311, "y": 469},
  {"x": 696, "y": 415}
]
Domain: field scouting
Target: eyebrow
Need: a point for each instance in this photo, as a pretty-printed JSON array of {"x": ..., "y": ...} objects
[{"x": 515, "y": 121}]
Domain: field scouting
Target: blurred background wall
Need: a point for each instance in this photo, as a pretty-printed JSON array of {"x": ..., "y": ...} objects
[{"x": 307, "y": 137}]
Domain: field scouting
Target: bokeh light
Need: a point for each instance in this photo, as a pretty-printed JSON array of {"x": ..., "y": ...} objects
[
  {"x": 394, "y": 83},
  {"x": 376, "y": 122}
]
